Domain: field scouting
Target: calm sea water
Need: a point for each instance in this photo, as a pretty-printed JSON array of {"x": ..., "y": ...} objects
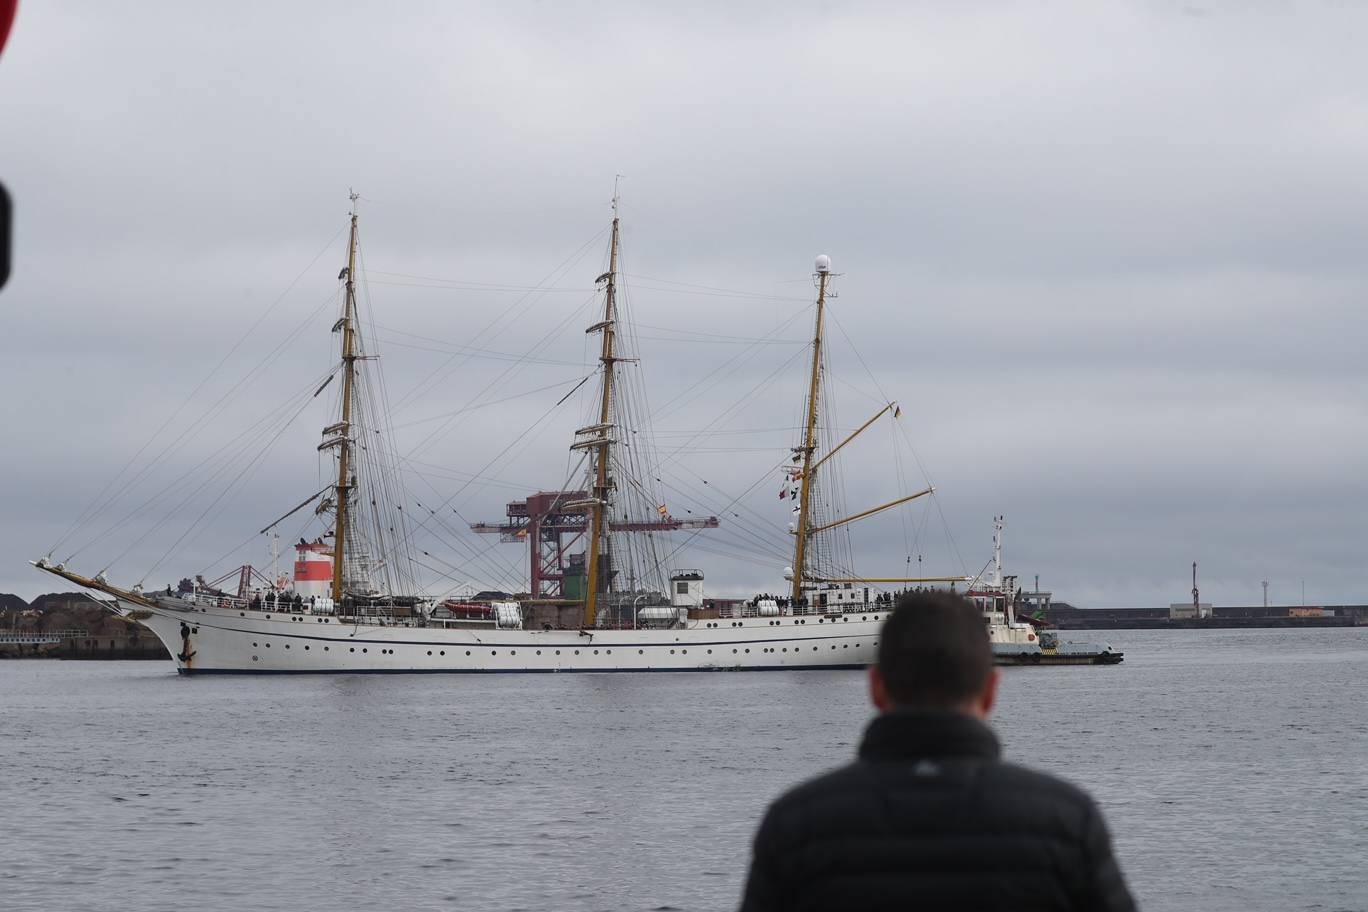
[{"x": 1231, "y": 765}]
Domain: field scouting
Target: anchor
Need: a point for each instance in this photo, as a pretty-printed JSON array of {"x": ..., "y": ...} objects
[{"x": 186, "y": 653}]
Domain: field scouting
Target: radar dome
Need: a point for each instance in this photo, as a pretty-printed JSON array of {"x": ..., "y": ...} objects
[{"x": 824, "y": 263}]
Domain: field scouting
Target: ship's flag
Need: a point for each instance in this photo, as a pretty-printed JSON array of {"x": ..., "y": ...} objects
[
  {"x": 522, "y": 533},
  {"x": 783, "y": 493},
  {"x": 662, "y": 510},
  {"x": 897, "y": 411}
]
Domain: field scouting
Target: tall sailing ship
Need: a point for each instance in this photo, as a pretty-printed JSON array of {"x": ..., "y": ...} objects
[{"x": 349, "y": 609}]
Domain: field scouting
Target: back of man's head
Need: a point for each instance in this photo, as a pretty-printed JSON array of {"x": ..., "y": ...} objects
[{"x": 934, "y": 653}]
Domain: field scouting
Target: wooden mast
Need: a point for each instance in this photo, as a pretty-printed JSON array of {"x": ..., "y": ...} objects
[
  {"x": 344, "y": 438},
  {"x": 598, "y": 507},
  {"x": 810, "y": 433}
]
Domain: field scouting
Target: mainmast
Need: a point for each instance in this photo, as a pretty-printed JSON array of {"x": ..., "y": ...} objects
[
  {"x": 343, "y": 428},
  {"x": 600, "y": 440},
  {"x": 810, "y": 432}
]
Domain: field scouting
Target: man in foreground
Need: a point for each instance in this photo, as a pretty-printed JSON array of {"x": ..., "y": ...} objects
[{"x": 928, "y": 817}]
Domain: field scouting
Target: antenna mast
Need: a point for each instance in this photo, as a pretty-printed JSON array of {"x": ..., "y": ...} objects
[
  {"x": 810, "y": 433},
  {"x": 601, "y": 443},
  {"x": 344, "y": 426},
  {"x": 997, "y": 551},
  {"x": 1196, "y": 603}
]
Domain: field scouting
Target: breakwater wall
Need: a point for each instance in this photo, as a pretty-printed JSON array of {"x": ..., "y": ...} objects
[{"x": 1067, "y": 617}]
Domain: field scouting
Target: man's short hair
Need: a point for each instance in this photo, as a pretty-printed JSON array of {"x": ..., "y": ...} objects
[{"x": 934, "y": 651}]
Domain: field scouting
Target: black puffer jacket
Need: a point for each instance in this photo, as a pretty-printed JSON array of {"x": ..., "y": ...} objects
[{"x": 929, "y": 818}]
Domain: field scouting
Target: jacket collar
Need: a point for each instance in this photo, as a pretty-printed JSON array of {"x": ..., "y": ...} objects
[{"x": 908, "y": 734}]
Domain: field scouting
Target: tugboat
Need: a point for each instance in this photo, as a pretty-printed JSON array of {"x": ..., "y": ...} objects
[{"x": 1019, "y": 642}]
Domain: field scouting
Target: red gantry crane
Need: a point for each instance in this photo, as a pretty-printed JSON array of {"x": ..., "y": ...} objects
[{"x": 553, "y": 523}]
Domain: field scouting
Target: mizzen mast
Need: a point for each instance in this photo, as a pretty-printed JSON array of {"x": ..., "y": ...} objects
[
  {"x": 810, "y": 433},
  {"x": 343, "y": 428},
  {"x": 599, "y": 440}
]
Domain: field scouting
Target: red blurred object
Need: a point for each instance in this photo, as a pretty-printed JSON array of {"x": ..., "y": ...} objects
[{"x": 7, "y": 8}]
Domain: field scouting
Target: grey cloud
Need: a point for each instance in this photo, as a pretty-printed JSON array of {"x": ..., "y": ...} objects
[{"x": 1108, "y": 257}]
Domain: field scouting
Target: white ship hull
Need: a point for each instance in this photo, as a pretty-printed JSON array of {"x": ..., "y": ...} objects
[{"x": 227, "y": 640}]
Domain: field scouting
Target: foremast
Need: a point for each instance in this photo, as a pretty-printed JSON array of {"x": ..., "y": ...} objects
[
  {"x": 805, "y": 529},
  {"x": 600, "y": 440},
  {"x": 343, "y": 428},
  {"x": 809, "y": 445}
]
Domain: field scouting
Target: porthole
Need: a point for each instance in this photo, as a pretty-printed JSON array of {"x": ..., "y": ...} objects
[
  {"x": 352, "y": 649},
  {"x": 845, "y": 645},
  {"x": 609, "y": 651},
  {"x": 443, "y": 652},
  {"x": 363, "y": 648},
  {"x": 306, "y": 648},
  {"x": 785, "y": 649},
  {"x": 709, "y": 652},
  {"x": 747, "y": 652},
  {"x": 814, "y": 648},
  {"x": 254, "y": 644},
  {"x": 254, "y": 659},
  {"x": 576, "y": 652},
  {"x": 557, "y": 652},
  {"x": 733, "y": 652},
  {"x": 595, "y": 652},
  {"x": 671, "y": 652},
  {"x": 326, "y": 648},
  {"x": 538, "y": 652},
  {"x": 845, "y": 620},
  {"x": 684, "y": 651},
  {"x": 641, "y": 652},
  {"x": 493, "y": 652},
  {"x": 467, "y": 652},
  {"x": 268, "y": 645},
  {"x": 242, "y": 614}
]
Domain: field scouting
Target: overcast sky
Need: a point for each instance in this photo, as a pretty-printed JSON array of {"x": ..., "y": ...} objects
[{"x": 1108, "y": 256}]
